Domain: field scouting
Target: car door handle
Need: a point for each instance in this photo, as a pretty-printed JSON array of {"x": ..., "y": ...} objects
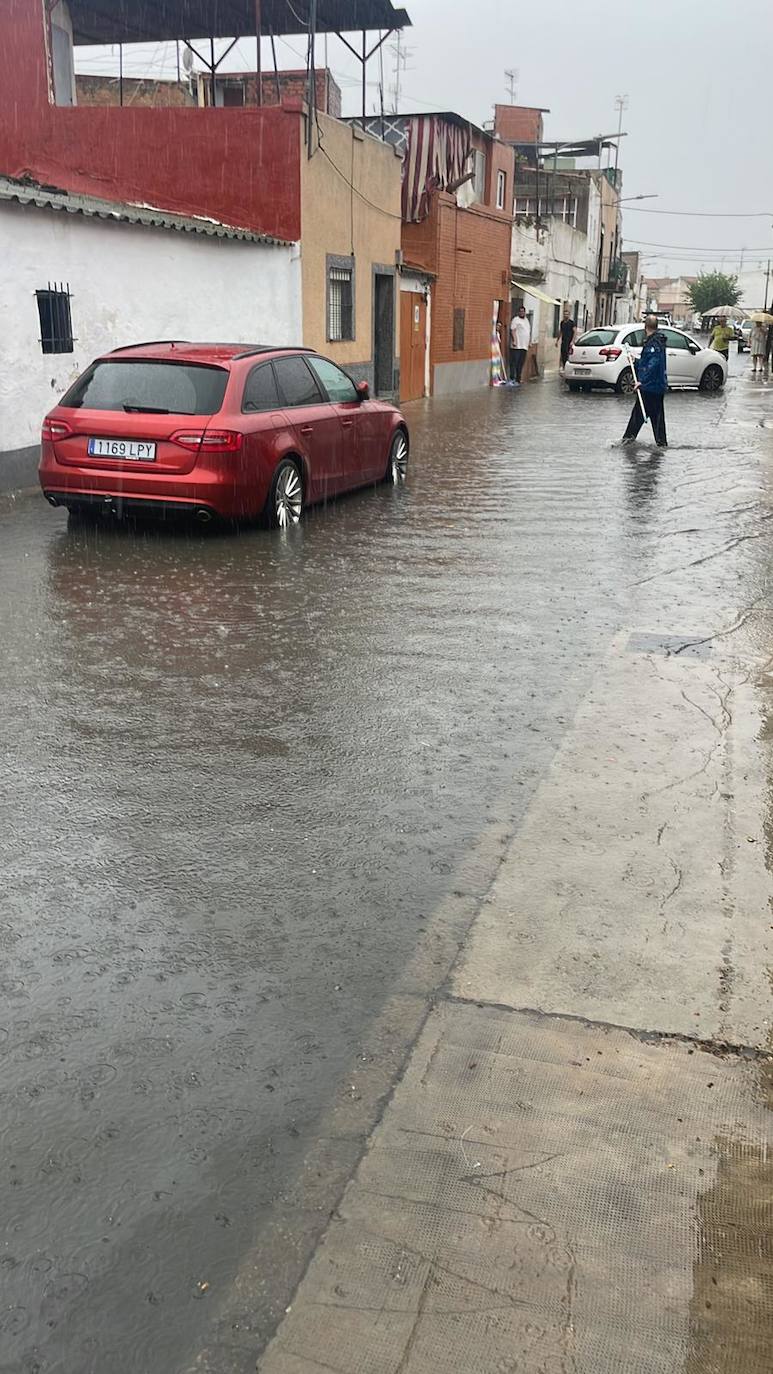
[
  {"x": 307, "y": 429},
  {"x": 347, "y": 424}
]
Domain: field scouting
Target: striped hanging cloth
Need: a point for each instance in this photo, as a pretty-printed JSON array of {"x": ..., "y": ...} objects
[{"x": 437, "y": 158}]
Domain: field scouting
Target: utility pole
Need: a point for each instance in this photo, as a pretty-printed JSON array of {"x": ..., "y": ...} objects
[
  {"x": 767, "y": 282},
  {"x": 511, "y": 80}
]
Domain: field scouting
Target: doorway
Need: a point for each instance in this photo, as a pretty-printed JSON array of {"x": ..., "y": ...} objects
[
  {"x": 383, "y": 333},
  {"x": 413, "y": 344}
]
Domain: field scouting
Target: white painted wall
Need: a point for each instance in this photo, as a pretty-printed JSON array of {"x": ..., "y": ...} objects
[
  {"x": 129, "y": 283},
  {"x": 569, "y": 277},
  {"x": 528, "y": 252},
  {"x": 568, "y": 265}
]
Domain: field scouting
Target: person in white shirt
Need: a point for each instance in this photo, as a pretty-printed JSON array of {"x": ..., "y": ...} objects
[{"x": 520, "y": 338}]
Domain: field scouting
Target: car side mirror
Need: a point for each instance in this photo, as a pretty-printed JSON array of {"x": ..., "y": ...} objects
[
  {"x": 363, "y": 391},
  {"x": 693, "y": 348}
]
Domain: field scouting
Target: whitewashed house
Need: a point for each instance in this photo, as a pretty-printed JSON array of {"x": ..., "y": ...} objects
[{"x": 82, "y": 276}]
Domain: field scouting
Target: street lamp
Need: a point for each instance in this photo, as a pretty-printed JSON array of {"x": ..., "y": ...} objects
[{"x": 622, "y": 200}]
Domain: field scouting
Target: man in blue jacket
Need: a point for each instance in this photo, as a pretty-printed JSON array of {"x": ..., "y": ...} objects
[{"x": 652, "y": 384}]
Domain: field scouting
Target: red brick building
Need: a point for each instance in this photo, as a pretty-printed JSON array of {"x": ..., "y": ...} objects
[
  {"x": 519, "y": 123},
  {"x": 237, "y": 90},
  {"x": 241, "y": 89}
]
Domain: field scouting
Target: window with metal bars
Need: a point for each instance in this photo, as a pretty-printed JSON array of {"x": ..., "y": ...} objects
[
  {"x": 55, "y": 319},
  {"x": 340, "y": 301}
]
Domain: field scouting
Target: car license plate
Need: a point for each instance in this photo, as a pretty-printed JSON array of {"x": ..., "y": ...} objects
[
  {"x": 582, "y": 372},
  {"x": 137, "y": 449}
]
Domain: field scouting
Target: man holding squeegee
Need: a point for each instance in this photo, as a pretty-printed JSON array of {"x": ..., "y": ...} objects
[{"x": 651, "y": 386}]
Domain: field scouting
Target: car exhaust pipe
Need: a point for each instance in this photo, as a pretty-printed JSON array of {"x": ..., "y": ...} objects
[
  {"x": 203, "y": 516},
  {"x": 52, "y": 501}
]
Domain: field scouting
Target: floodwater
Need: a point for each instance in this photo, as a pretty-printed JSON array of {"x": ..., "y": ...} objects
[{"x": 240, "y": 777}]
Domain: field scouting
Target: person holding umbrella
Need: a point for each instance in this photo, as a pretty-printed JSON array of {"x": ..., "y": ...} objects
[
  {"x": 758, "y": 343},
  {"x": 722, "y": 336},
  {"x": 651, "y": 386}
]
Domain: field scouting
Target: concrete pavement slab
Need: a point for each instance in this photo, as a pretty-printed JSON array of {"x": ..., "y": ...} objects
[
  {"x": 541, "y": 1196},
  {"x": 636, "y": 891}
]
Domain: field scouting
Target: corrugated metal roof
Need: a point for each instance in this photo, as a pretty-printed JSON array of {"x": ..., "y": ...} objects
[
  {"x": 51, "y": 198},
  {"x": 140, "y": 21}
]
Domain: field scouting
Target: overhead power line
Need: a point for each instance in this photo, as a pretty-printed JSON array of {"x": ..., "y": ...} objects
[
  {"x": 692, "y": 248},
  {"x": 706, "y": 214}
]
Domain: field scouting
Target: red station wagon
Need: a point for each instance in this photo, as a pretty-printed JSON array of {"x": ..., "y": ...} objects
[{"x": 223, "y": 430}]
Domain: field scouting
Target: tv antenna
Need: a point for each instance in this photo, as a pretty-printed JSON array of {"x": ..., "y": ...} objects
[
  {"x": 621, "y": 103},
  {"x": 401, "y": 55},
  {"x": 511, "y": 79}
]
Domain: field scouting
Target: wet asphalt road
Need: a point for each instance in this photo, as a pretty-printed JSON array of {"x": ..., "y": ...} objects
[{"x": 241, "y": 778}]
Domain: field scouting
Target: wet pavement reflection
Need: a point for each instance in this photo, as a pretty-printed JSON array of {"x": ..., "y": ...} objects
[{"x": 239, "y": 771}]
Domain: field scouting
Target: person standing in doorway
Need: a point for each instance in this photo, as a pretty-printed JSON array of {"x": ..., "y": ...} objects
[
  {"x": 651, "y": 384},
  {"x": 566, "y": 336},
  {"x": 520, "y": 338},
  {"x": 722, "y": 337}
]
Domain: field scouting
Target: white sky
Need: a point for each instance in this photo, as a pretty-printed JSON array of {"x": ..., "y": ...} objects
[{"x": 698, "y": 75}]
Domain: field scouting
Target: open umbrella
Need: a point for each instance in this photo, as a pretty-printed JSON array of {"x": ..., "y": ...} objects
[
  {"x": 730, "y": 312},
  {"x": 761, "y": 317}
]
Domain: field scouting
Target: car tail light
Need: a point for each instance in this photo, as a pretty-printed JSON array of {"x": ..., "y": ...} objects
[
  {"x": 208, "y": 440},
  {"x": 571, "y": 350},
  {"x": 54, "y": 429},
  {"x": 610, "y": 353}
]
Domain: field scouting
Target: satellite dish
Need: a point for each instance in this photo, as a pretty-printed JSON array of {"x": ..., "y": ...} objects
[{"x": 187, "y": 60}]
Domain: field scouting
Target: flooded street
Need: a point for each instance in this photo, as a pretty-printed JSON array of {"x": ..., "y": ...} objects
[{"x": 255, "y": 788}]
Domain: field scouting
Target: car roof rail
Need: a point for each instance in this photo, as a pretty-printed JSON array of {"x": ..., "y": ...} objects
[
  {"x": 148, "y": 343},
  {"x": 275, "y": 348}
]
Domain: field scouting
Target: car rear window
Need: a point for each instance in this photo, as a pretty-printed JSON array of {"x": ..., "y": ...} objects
[
  {"x": 260, "y": 392},
  {"x": 598, "y": 338},
  {"x": 144, "y": 385}
]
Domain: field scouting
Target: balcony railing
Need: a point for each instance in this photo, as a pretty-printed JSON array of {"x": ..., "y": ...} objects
[{"x": 616, "y": 278}]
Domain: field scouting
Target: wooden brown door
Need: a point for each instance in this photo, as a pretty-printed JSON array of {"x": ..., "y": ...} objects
[{"x": 413, "y": 344}]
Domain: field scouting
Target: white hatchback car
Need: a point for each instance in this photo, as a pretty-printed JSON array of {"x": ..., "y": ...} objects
[{"x": 599, "y": 358}]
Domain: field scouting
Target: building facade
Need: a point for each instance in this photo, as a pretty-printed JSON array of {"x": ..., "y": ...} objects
[
  {"x": 554, "y": 251},
  {"x": 636, "y": 286},
  {"x": 286, "y": 236},
  {"x": 611, "y": 272},
  {"x": 91, "y": 89},
  {"x": 240, "y": 89},
  {"x": 457, "y": 187},
  {"x": 671, "y": 294},
  {"x": 232, "y": 90},
  {"x": 567, "y": 230},
  {"x": 350, "y": 251}
]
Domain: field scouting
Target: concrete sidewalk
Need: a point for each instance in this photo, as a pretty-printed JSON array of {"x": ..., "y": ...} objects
[{"x": 573, "y": 1176}]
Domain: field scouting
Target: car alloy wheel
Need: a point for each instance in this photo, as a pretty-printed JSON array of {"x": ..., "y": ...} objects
[
  {"x": 625, "y": 383},
  {"x": 397, "y": 466},
  {"x": 286, "y": 496},
  {"x": 711, "y": 379}
]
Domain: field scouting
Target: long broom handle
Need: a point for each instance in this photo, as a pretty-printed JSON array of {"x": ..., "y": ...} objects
[{"x": 630, "y": 357}]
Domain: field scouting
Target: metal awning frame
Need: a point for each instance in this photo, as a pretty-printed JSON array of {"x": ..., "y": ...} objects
[{"x": 318, "y": 21}]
